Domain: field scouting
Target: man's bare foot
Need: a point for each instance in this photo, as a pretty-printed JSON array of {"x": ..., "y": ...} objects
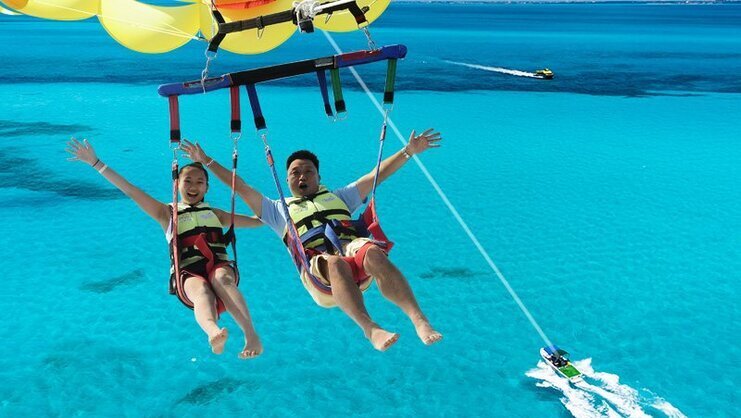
[
  {"x": 382, "y": 339},
  {"x": 427, "y": 334},
  {"x": 252, "y": 349},
  {"x": 218, "y": 340}
]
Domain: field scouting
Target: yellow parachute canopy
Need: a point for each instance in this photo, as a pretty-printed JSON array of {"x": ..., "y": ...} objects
[{"x": 158, "y": 29}]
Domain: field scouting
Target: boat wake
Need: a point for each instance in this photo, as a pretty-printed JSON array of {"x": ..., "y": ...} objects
[
  {"x": 601, "y": 394},
  {"x": 7, "y": 12},
  {"x": 495, "y": 69}
]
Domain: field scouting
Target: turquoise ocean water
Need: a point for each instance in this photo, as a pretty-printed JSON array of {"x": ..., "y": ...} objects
[{"x": 608, "y": 197}]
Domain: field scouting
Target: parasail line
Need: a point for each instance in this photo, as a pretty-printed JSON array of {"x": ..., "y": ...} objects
[{"x": 450, "y": 206}]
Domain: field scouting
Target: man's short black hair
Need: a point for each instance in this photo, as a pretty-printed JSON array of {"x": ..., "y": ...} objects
[{"x": 303, "y": 155}]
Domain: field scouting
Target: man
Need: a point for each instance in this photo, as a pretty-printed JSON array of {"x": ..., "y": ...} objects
[{"x": 342, "y": 279}]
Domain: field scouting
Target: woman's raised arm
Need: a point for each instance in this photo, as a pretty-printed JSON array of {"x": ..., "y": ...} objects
[{"x": 83, "y": 151}]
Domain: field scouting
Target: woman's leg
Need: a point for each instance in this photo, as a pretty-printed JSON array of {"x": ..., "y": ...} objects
[
  {"x": 224, "y": 284},
  {"x": 204, "y": 308}
]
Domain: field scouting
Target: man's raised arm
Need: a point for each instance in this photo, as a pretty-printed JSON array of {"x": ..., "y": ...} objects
[{"x": 417, "y": 144}]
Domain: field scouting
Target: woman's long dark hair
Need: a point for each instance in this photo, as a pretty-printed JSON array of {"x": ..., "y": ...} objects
[{"x": 195, "y": 165}]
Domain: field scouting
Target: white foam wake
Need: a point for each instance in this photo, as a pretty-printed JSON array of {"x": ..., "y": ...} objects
[
  {"x": 8, "y": 12},
  {"x": 600, "y": 394},
  {"x": 581, "y": 404},
  {"x": 668, "y": 409},
  {"x": 495, "y": 69}
]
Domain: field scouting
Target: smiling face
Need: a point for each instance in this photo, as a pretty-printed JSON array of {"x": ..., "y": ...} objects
[
  {"x": 193, "y": 185},
  {"x": 303, "y": 178}
]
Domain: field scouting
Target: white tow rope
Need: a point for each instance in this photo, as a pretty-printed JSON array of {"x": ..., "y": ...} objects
[{"x": 447, "y": 202}]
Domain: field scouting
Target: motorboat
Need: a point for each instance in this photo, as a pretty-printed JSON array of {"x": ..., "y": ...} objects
[{"x": 559, "y": 361}]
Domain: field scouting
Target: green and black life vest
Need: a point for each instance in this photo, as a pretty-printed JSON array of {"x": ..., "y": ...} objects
[
  {"x": 318, "y": 210},
  {"x": 192, "y": 222}
]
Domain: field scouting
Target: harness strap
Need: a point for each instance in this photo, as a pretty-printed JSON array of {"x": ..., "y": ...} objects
[
  {"x": 370, "y": 218},
  {"x": 297, "y": 200},
  {"x": 311, "y": 235},
  {"x": 355, "y": 10},
  {"x": 230, "y": 233},
  {"x": 388, "y": 92},
  {"x": 339, "y": 101},
  {"x": 356, "y": 263},
  {"x": 331, "y": 236},
  {"x": 255, "y": 105},
  {"x": 174, "y": 253},
  {"x": 359, "y": 14},
  {"x": 260, "y": 22},
  {"x": 293, "y": 242},
  {"x": 322, "y": 78},
  {"x": 236, "y": 123},
  {"x": 174, "y": 119},
  {"x": 200, "y": 242},
  {"x": 213, "y": 46},
  {"x": 321, "y": 217}
]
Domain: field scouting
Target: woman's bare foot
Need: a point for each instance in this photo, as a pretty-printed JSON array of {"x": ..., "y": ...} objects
[
  {"x": 382, "y": 339},
  {"x": 426, "y": 333},
  {"x": 218, "y": 340},
  {"x": 252, "y": 349}
]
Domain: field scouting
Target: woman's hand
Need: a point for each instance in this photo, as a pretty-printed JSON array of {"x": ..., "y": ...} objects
[
  {"x": 81, "y": 151},
  {"x": 422, "y": 142},
  {"x": 195, "y": 152}
]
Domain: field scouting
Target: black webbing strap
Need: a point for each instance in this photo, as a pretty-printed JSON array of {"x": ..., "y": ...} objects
[
  {"x": 357, "y": 12},
  {"x": 258, "y": 23},
  {"x": 322, "y": 78},
  {"x": 213, "y": 46},
  {"x": 276, "y": 72}
]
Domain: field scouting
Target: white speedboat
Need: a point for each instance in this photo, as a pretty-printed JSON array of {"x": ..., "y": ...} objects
[{"x": 559, "y": 361}]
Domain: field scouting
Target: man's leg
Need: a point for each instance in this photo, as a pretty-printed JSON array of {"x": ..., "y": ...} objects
[
  {"x": 204, "y": 300},
  {"x": 349, "y": 298},
  {"x": 225, "y": 287},
  {"x": 395, "y": 288}
]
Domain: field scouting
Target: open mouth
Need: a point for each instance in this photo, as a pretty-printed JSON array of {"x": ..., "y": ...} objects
[
  {"x": 192, "y": 195},
  {"x": 303, "y": 186}
]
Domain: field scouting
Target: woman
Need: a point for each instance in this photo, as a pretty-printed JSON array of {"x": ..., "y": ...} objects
[{"x": 207, "y": 276}]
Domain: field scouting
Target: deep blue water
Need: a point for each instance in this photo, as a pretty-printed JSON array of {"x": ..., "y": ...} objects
[
  {"x": 608, "y": 197},
  {"x": 603, "y": 49}
]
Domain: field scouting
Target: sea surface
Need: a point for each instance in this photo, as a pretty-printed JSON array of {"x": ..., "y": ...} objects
[{"x": 607, "y": 198}]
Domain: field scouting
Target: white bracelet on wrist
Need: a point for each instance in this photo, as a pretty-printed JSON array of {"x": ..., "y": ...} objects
[
  {"x": 208, "y": 164},
  {"x": 102, "y": 169},
  {"x": 406, "y": 154}
]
